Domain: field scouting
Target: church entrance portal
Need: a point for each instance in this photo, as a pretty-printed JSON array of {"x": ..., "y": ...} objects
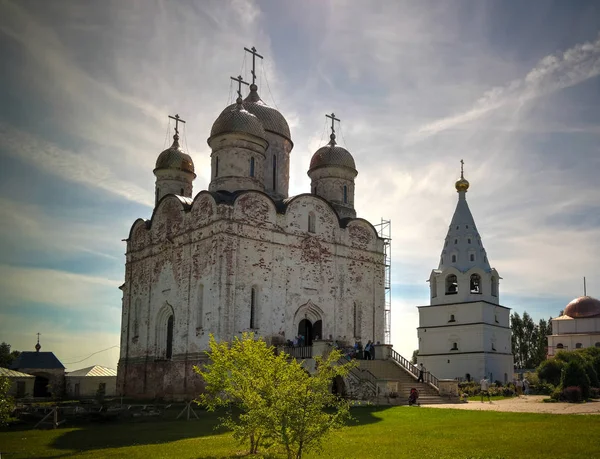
[
  {"x": 310, "y": 331},
  {"x": 40, "y": 387}
]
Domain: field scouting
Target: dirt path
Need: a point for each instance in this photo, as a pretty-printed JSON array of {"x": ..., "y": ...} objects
[{"x": 526, "y": 404}]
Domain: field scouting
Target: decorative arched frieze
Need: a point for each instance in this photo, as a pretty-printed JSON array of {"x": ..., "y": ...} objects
[{"x": 308, "y": 311}]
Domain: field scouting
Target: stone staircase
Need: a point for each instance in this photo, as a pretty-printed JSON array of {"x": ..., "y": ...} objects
[{"x": 392, "y": 377}]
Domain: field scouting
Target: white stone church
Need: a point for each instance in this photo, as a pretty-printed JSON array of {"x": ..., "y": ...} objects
[
  {"x": 242, "y": 255},
  {"x": 464, "y": 332}
]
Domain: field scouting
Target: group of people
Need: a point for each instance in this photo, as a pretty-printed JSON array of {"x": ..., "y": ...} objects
[
  {"x": 298, "y": 341},
  {"x": 521, "y": 386}
]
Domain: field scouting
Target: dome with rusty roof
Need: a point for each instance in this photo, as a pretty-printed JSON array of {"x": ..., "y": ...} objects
[
  {"x": 175, "y": 158},
  {"x": 582, "y": 307},
  {"x": 270, "y": 118},
  {"x": 332, "y": 155},
  {"x": 238, "y": 119}
]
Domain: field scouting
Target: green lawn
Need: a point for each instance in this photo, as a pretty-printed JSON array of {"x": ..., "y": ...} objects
[{"x": 399, "y": 432}]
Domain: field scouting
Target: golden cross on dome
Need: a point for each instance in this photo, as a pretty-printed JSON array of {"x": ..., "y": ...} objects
[
  {"x": 240, "y": 82},
  {"x": 254, "y": 56},
  {"x": 177, "y": 121},
  {"x": 462, "y": 163},
  {"x": 333, "y": 120}
]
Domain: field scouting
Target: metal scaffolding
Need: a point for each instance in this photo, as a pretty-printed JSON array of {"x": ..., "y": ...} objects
[{"x": 384, "y": 229}]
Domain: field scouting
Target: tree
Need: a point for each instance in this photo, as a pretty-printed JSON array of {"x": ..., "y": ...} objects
[
  {"x": 6, "y": 401},
  {"x": 573, "y": 374},
  {"x": 529, "y": 340},
  {"x": 275, "y": 399},
  {"x": 6, "y": 356},
  {"x": 414, "y": 357}
]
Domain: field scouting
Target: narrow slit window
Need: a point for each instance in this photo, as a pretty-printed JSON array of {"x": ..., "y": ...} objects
[
  {"x": 169, "y": 349},
  {"x": 252, "y": 167},
  {"x": 311, "y": 222},
  {"x": 217, "y": 166},
  {"x": 345, "y": 194},
  {"x": 253, "y": 308},
  {"x": 274, "y": 173},
  {"x": 453, "y": 258}
]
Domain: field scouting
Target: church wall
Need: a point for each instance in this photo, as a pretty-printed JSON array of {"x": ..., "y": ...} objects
[
  {"x": 586, "y": 325},
  {"x": 493, "y": 366},
  {"x": 221, "y": 252}
]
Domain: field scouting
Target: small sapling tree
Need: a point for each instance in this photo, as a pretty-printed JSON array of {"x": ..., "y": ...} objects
[{"x": 273, "y": 399}]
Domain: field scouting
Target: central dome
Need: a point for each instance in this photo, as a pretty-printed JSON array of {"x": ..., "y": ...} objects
[
  {"x": 332, "y": 155},
  {"x": 271, "y": 119},
  {"x": 582, "y": 307},
  {"x": 237, "y": 119}
]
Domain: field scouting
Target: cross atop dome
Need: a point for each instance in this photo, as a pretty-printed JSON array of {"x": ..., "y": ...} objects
[
  {"x": 462, "y": 185},
  {"x": 254, "y": 56},
  {"x": 333, "y": 120}
]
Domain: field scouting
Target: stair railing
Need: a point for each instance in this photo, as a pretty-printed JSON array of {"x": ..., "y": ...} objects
[{"x": 408, "y": 366}]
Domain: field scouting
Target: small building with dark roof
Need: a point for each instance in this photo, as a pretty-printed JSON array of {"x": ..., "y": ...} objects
[
  {"x": 21, "y": 384},
  {"x": 48, "y": 371}
]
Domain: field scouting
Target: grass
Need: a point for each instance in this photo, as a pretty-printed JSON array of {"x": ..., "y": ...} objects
[{"x": 399, "y": 432}]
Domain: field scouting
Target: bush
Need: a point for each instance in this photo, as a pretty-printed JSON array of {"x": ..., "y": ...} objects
[
  {"x": 557, "y": 394},
  {"x": 574, "y": 374},
  {"x": 543, "y": 388},
  {"x": 550, "y": 371},
  {"x": 508, "y": 392},
  {"x": 572, "y": 394},
  {"x": 594, "y": 392}
]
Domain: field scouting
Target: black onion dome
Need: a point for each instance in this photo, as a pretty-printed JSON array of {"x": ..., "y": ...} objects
[
  {"x": 175, "y": 158},
  {"x": 332, "y": 155},
  {"x": 271, "y": 119},
  {"x": 237, "y": 119}
]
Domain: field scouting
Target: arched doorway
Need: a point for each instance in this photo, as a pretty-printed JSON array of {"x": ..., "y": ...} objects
[
  {"x": 305, "y": 328},
  {"x": 40, "y": 386}
]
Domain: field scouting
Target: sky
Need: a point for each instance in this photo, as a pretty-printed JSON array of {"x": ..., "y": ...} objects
[{"x": 511, "y": 87}]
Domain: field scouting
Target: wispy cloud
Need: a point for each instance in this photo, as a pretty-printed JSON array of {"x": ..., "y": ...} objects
[
  {"x": 68, "y": 165},
  {"x": 552, "y": 73}
]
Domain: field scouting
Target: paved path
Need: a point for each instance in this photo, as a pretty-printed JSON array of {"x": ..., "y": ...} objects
[{"x": 525, "y": 404}]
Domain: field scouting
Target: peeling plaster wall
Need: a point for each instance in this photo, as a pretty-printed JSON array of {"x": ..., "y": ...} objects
[{"x": 223, "y": 251}]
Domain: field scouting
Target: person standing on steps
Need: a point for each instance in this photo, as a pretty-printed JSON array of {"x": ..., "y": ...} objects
[{"x": 421, "y": 374}]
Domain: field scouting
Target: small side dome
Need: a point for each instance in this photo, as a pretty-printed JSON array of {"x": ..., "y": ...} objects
[
  {"x": 238, "y": 119},
  {"x": 332, "y": 155},
  {"x": 582, "y": 307},
  {"x": 174, "y": 158}
]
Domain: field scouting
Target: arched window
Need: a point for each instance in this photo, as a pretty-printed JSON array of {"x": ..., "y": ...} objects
[
  {"x": 252, "y": 167},
  {"x": 472, "y": 257},
  {"x": 578, "y": 346},
  {"x": 274, "y": 173},
  {"x": 136, "y": 317},
  {"x": 455, "y": 241},
  {"x": 475, "y": 284},
  {"x": 169, "y": 344},
  {"x": 253, "y": 308},
  {"x": 468, "y": 240},
  {"x": 164, "y": 332},
  {"x": 560, "y": 346},
  {"x": 217, "y": 166},
  {"x": 181, "y": 193},
  {"x": 200, "y": 311},
  {"x": 454, "y": 346},
  {"x": 311, "y": 222},
  {"x": 345, "y": 194},
  {"x": 452, "y": 319},
  {"x": 451, "y": 285},
  {"x": 494, "y": 283},
  {"x": 453, "y": 258}
]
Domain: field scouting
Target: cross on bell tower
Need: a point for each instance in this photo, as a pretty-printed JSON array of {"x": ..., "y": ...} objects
[
  {"x": 462, "y": 163},
  {"x": 254, "y": 56},
  {"x": 38, "y": 346}
]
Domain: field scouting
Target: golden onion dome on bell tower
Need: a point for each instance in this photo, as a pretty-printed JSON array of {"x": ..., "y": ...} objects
[{"x": 462, "y": 184}]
